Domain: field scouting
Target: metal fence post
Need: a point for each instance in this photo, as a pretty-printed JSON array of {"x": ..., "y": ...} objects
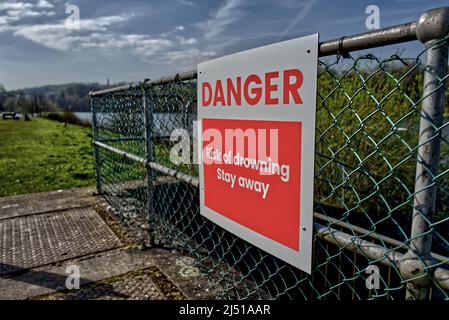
[
  {"x": 95, "y": 138},
  {"x": 432, "y": 26},
  {"x": 148, "y": 122}
]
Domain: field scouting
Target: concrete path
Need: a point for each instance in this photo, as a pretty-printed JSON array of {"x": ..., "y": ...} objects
[{"x": 46, "y": 238}]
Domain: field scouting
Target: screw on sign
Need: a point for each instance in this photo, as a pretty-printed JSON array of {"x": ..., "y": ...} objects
[{"x": 257, "y": 130}]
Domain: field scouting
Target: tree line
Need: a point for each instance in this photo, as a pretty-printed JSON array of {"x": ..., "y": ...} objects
[{"x": 37, "y": 100}]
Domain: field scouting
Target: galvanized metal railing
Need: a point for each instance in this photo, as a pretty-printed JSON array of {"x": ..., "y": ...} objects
[{"x": 381, "y": 176}]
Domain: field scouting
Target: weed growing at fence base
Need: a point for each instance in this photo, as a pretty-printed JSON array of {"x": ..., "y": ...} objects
[{"x": 43, "y": 155}]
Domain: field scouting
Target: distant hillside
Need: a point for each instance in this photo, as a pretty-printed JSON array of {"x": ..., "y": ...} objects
[{"x": 71, "y": 96}]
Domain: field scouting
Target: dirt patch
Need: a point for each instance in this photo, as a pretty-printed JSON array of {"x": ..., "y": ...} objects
[{"x": 103, "y": 210}]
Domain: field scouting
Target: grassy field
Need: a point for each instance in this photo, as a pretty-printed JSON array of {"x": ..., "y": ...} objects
[{"x": 42, "y": 155}]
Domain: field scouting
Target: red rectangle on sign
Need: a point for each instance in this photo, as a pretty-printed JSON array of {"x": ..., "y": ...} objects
[{"x": 255, "y": 179}]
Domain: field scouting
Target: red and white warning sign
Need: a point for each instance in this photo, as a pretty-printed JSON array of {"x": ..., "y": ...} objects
[{"x": 256, "y": 112}]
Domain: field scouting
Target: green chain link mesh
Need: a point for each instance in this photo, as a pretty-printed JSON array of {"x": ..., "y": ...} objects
[{"x": 368, "y": 116}]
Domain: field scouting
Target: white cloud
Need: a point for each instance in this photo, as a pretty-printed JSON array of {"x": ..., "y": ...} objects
[
  {"x": 102, "y": 23},
  {"x": 44, "y": 4},
  {"x": 99, "y": 36},
  {"x": 229, "y": 12},
  {"x": 186, "y": 2},
  {"x": 58, "y": 36},
  {"x": 95, "y": 34},
  {"x": 15, "y": 12},
  {"x": 189, "y": 57},
  {"x": 15, "y": 6},
  {"x": 17, "y": 15},
  {"x": 184, "y": 41}
]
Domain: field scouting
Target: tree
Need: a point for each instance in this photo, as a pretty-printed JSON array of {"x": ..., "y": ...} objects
[
  {"x": 10, "y": 104},
  {"x": 23, "y": 105},
  {"x": 46, "y": 105},
  {"x": 3, "y": 97},
  {"x": 34, "y": 103},
  {"x": 61, "y": 101}
]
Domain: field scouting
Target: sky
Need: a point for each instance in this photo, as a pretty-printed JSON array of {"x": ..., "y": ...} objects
[{"x": 135, "y": 39}]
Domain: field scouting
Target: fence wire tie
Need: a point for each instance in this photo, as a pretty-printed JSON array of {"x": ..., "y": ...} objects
[
  {"x": 341, "y": 51},
  {"x": 177, "y": 79}
]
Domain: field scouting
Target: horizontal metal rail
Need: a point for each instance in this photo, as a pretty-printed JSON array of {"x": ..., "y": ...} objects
[
  {"x": 373, "y": 251},
  {"x": 122, "y": 153},
  {"x": 372, "y": 234},
  {"x": 382, "y": 37},
  {"x": 121, "y": 139},
  {"x": 189, "y": 75},
  {"x": 349, "y": 242},
  {"x": 354, "y": 244},
  {"x": 194, "y": 181}
]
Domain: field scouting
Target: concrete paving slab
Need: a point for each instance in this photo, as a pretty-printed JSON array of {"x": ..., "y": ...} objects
[
  {"x": 28, "y": 204},
  {"x": 43, "y": 234},
  {"x": 40, "y": 239},
  {"x": 138, "y": 287},
  {"x": 45, "y": 280}
]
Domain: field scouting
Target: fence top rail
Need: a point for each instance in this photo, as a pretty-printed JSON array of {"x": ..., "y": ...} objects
[
  {"x": 432, "y": 24},
  {"x": 184, "y": 76}
]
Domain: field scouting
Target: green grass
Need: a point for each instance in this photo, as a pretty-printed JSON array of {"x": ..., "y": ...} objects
[{"x": 43, "y": 155}]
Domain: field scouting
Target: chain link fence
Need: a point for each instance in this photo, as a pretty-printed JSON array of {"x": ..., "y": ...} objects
[{"x": 381, "y": 174}]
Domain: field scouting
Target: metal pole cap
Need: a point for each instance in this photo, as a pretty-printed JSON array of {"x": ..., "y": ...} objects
[{"x": 433, "y": 24}]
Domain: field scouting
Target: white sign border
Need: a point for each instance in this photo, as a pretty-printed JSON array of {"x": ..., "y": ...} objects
[{"x": 302, "y": 259}]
